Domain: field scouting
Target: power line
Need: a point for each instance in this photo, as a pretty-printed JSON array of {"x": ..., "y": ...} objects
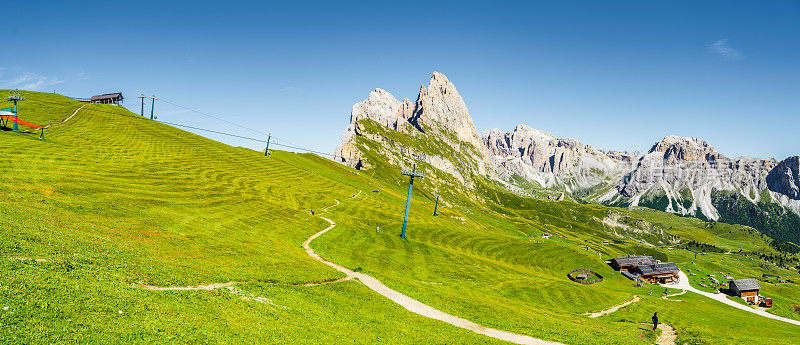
[
  {"x": 213, "y": 131},
  {"x": 253, "y": 139},
  {"x": 232, "y": 123},
  {"x": 212, "y": 116}
]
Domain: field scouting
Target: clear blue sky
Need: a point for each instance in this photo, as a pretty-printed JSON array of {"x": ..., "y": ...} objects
[{"x": 618, "y": 75}]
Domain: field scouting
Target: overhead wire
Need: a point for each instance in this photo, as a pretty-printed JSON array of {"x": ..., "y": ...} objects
[
  {"x": 287, "y": 143},
  {"x": 248, "y": 138}
]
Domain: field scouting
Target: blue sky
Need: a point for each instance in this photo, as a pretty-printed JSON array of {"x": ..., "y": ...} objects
[{"x": 618, "y": 75}]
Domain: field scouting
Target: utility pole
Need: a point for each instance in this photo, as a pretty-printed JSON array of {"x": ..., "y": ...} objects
[
  {"x": 436, "y": 208},
  {"x": 142, "y": 97},
  {"x": 15, "y": 98},
  {"x": 152, "y": 106},
  {"x": 266, "y": 151},
  {"x": 412, "y": 173}
]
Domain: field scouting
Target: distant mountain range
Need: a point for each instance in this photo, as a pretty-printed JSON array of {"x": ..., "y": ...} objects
[{"x": 680, "y": 175}]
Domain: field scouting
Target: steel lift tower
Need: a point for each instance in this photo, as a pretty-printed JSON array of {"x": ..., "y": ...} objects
[
  {"x": 412, "y": 173},
  {"x": 15, "y": 98}
]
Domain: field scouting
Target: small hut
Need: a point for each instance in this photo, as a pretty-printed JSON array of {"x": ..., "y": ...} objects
[
  {"x": 626, "y": 263},
  {"x": 108, "y": 98},
  {"x": 745, "y": 288},
  {"x": 659, "y": 273}
]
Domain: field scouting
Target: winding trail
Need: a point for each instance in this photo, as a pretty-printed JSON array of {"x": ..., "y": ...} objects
[
  {"x": 415, "y": 306},
  {"x": 613, "y": 309},
  {"x": 182, "y": 288},
  {"x": 674, "y": 294},
  {"x": 683, "y": 284},
  {"x": 67, "y": 119},
  {"x": 668, "y": 335}
]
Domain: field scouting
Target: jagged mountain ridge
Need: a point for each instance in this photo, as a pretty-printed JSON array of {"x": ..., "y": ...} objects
[
  {"x": 679, "y": 175},
  {"x": 438, "y": 116},
  {"x": 552, "y": 162}
]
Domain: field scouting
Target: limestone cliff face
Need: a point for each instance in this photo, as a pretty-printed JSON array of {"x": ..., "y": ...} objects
[
  {"x": 784, "y": 179},
  {"x": 685, "y": 171},
  {"x": 380, "y": 107},
  {"x": 677, "y": 174},
  {"x": 552, "y": 162},
  {"x": 439, "y": 113},
  {"x": 440, "y": 109}
]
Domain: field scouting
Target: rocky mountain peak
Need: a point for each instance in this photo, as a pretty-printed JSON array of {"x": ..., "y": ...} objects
[
  {"x": 440, "y": 108},
  {"x": 675, "y": 149},
  {"x": 439, "y": 111},
  {"x": 539, "y": 156},
  {"x": 785, "y": 178}
]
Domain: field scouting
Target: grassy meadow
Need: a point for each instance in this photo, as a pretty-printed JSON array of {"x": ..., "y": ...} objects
[{"x": 111, "y": 200}]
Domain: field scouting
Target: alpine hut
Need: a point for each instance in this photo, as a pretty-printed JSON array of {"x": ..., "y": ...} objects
[
  {"x": 108, "y": 98},
  {"x": 626, "y": 263},
  {"x": 659, "y": 273},
  {"x": 745, "y": 288}
]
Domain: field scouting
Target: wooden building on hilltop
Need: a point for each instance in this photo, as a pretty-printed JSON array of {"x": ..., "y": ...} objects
[
  {"x": 745, "y": 288},
  {"x": 659, "y": 273},
  {"x": 108, "y": 98},
  {"x": 627, "y": 263}
]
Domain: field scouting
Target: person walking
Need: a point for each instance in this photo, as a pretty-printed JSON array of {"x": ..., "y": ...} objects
[{"x": 655, "y": 320}]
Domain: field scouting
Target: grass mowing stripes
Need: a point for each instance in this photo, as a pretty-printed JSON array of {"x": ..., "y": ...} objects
[{"x": 110, "y": 200}]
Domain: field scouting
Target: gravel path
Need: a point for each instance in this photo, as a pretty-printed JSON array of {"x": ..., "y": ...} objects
[
  {"x": 67, "y": 119},
  {"x": 683, "y": 284},
  {"x": 181, "y": 288},
  {"x": 672, "y": 295},
  {"x": 667, "y": 336},
  {"x": 417, "y": 306},
  {"x": 613, "y": 309}
]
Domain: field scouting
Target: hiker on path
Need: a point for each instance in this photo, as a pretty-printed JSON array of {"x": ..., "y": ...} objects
[
  {"x": 651, "y": 292},
  {"x": 655, "y": 321},
  {"x": 378, "y": 229},
  {"x": 312, "y": 212},
  {"x": 666, "y": 291}
]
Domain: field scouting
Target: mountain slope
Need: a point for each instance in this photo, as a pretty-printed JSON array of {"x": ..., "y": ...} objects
[
  {"x": 111, "y": 201},
  {"x": 678, "y": 175}
]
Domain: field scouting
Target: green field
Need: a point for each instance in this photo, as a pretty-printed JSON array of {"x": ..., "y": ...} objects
[{"x": 111, "y": 200}]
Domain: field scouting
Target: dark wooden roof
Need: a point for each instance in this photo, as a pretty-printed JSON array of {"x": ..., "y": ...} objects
[
  {"x": 664, "y": 268},
  {"x": 745, "y": 284},
  {"x": 114, "y": 95},
  {"x": 635, "y": 260}
]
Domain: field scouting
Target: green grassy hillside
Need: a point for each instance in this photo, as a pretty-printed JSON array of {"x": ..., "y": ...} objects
[{"x": 110, "y": 200}]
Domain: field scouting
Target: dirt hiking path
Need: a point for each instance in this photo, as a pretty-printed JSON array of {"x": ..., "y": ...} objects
[
  {"x": 182, "y": 288},
  {"x": 613, "y": 309},
  {"x": 67, "y": 119},
  {"x": 668, "y": 335},
  {"x": 417, "y": 306}
]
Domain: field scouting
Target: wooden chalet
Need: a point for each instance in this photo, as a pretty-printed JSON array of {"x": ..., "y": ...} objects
[
  {"x": 627, "y": 263},
  {"x": 659, "y": 273},
  {"x": 745, "y": 288},
  {"x": 108, "y": 98}
]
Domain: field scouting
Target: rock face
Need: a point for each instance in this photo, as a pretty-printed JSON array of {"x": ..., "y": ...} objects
[
  {"x": 440, "y": 109},
  {"x": 549, "y": 161},
  {"x": 439, "y": 112},
  {"x": 784, "y": 179},
  {"x": 683, "y": 172},
  {"x": 381, "y": 107},
  {"x": 677, "y": 174}
]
